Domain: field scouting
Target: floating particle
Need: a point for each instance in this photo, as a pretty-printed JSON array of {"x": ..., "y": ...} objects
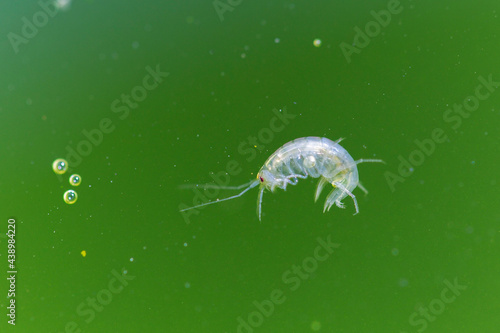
[
  {"x": 75, "y": 179},
  {"x": 131, "y": 259},
  {"x": 60, "y": 166},
  {"x": 315, "y": 325},
  {"x": 70, "y": 197},
  {"x": 83, "y": 253},
  {"x": 317, "y": 42}
]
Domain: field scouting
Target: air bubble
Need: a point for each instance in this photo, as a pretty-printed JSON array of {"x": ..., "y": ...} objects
[
  {"x": 75, "y": 180},
  {"x": 70, "y": 197},
  {"x": 60, "y": 166}
]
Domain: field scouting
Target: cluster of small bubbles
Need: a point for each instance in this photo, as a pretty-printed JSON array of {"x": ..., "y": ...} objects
[
  {"x": 60, "y": 166},
  {"x": 75, "y": 179},
  {"x": 70, "y": 197}
]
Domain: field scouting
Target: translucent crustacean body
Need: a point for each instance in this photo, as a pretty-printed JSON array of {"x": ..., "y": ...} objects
[{"x": 302, "y": 158}]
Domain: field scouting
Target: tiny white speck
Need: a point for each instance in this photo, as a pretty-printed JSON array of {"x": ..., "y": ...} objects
[
  {"x": 131, "y": 259},
  {"x": 185, "y": 244}
]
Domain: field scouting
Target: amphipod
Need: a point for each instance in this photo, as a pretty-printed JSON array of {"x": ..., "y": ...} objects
[{"x": 299, "y": 159}]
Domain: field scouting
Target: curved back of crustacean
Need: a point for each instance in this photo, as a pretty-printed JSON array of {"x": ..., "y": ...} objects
[{"x": 314, "y": 157}]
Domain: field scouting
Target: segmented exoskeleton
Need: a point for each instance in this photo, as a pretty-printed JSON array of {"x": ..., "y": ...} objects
[{"x": 302, "y": 158}]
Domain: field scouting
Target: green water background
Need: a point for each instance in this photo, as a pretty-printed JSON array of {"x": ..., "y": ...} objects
[{"x": 225, "y": 78}]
